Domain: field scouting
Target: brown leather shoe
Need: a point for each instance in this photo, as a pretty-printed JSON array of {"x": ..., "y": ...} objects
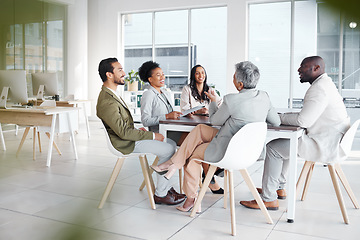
[
  {"x": 280, "y": 192},
  {"x": 274, "y": 205},
  {"x": 178, "y": 195},
  {"x": 169, "y": 199}
]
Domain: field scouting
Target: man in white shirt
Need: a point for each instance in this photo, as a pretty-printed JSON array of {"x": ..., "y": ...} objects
[{"x": 325, "y": 121}]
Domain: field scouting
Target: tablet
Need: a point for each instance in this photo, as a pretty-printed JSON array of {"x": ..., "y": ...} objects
[{"x": 191, "y": 110}]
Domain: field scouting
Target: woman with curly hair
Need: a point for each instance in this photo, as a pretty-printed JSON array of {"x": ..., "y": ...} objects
[{"x": 156, "y": 102}]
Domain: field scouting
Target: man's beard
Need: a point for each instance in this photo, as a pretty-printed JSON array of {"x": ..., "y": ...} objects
[{"x": 120, "y": 82}]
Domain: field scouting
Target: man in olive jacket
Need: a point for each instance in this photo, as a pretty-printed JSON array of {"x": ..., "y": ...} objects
[{"x": 117, "y": 119}]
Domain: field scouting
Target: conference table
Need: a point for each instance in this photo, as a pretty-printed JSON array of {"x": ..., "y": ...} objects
[
  {"x": 186, "y": 124},
  {"x": 39, "y": 116}
]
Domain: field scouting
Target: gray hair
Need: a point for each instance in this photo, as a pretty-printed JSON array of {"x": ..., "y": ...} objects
[{"x": 247, "y": 73}]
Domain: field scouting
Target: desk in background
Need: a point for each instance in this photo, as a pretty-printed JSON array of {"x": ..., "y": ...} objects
[
  {"x": 39, "y": 117},
  {"x": 71, "y": 103},
  {"x": 186, "y": 124}
]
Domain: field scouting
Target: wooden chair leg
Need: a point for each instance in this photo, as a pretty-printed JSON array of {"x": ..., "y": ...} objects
[
  {"x": 226, "y": 188},
  {"x": 181, "y": 180},
  {"x": 232, "y": 203},
  {"x": 112, "y": 180},
  {"x": 55, "y": 145},
  {"x": 256, "y": 195},
  {"x": 338, "y": 193},
  {"x": 346, "y": 185},
  {"x": 27, "y": 129},
  {"x": 38, "y": 134},
  {"x": 150, "y": 176},
  {"x": 307, "y": 182},
  {"x": 302, "y": 177},
  {"x": 203, "y": 189},
  {"x": 150, "y": 172},
  {"x": 145, "y": 170}
]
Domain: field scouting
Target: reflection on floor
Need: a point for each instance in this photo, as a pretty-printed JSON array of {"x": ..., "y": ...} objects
[{"x": 60, "y": 202}]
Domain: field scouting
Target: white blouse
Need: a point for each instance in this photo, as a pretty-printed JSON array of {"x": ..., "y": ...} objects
[{"x": 187, "y": 100}]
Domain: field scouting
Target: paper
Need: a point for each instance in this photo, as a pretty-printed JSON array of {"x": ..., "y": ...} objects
[{"x": 191, "y": 110}]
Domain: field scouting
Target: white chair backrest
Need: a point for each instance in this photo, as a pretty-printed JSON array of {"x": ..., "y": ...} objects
[
  {"x": 348, "y": 138},
  {"x": 109, "y": 144},
  {"x": 245, "y": 146},
  {"x": 48, "y": 103}
]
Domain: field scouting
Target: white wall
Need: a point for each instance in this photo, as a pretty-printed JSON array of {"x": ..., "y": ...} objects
[
  {"x": 103, "y": 32},
  {"x": 77, "y": 50}
]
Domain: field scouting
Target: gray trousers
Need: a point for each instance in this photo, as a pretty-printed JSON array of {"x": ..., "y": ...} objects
[
  {"x": 275, "y": 168},
  {"x": 164, "y": 150}
]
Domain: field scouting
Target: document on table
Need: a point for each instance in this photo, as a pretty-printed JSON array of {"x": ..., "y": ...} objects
[{"x": 191, "y": 110}]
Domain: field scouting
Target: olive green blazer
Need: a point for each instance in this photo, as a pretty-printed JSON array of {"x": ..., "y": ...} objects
[{"x": 119, "y": 122}]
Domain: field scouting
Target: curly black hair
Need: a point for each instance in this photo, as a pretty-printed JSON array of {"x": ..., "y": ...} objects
[
  {"x": 145, "y": 71},
  {"x": 194, "y": 92}
]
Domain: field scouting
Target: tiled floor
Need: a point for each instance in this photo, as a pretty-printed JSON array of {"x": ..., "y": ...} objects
[{"x": 60, "y": 202}]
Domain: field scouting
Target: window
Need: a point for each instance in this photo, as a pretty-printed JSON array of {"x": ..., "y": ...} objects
[
  {"x": 178, "y": 40},
  {"x": 137, "y": 40},
  {"x": 269, "y": 48},
  {"x": 318, "y": 30},
  {"x": 350, "y": 78},
  {"x": 171, "y": 50}
]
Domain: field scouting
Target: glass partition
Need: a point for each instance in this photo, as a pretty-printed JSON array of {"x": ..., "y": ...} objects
[{"x": 32, "y": 37}]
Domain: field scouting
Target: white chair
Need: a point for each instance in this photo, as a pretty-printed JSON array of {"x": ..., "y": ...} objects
[
  {"x": 2, "y": 138},
  {"x": 121, "y": 157},
  {"x": 243, "y": 150},
  {"x": 334, "y": 168}
]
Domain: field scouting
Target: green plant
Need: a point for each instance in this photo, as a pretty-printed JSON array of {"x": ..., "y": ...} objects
[
  {"x": 132, "y": 76},
  {"x": 213, "y": 86}
]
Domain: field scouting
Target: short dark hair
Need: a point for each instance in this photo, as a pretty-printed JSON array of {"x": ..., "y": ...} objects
[
  {"x": 106, "y": 66},
  {"x": 145, "y": 71},
  {"x": 317, "y": 60}
]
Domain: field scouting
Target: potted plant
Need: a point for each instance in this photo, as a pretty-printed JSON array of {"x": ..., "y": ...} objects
[
  {"x": 213, "y": 86},
  {"x": 132, "y": 80}
]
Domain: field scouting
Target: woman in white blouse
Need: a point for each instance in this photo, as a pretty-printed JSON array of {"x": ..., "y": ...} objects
[{"x": 194, "y": 95}]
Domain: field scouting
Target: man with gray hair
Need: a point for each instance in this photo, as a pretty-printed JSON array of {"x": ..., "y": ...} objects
[
  {"x": 325, "y": 119},
  {"x": 248, "y": 73},
  {"x": 205, "y": 142}
]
